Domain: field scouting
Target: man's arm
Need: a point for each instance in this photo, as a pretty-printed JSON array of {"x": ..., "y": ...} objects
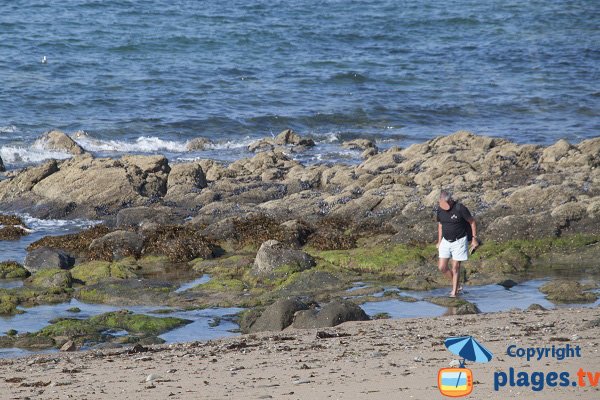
[
  {"x": 474, "y": 241},
  {"x": 439, "y": 235}
]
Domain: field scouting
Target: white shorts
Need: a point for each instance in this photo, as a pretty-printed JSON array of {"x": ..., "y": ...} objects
[{"x": 457, "y": 250}]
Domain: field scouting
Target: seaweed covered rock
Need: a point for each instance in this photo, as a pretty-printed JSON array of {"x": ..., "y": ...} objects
[
  {"x": 12, "y": 227},
  {"x": 8, "y": 303},
  {"x": 96, "y": 271},
  {"x": 47, "y": 258},
  {"x": 178, "y": 243},
  {"x": 274, "y": 259},
  {"x": 278, "y": 315},
  {"x": 99, "y": 327},
  {"x": 563, "y": 291},
  {"x": 332, "y": 233},
  {"x": 116, "y": 245},
  {"x": 76, "y": 244},
  {"x": 12, "y": 270},
  {"x": 121, "y": 292},
  {"x": 331, "y": 314},
  {"x": 50, "y": 279}
]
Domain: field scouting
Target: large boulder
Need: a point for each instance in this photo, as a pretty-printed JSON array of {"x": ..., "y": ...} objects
[
  {"x": 332, "y": 314},
  {"x": 59, "y": 141},
  {"x": 274, "y": 259},
  {"x": 47, "y": 258},
  {"x": 185, "y": 179},
  {"x": 117, "y": 245},
  {"x": 278, "y": 315},
  {"x": 99, "y": 187}
]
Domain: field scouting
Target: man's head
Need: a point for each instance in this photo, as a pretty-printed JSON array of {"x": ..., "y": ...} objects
[{"x": 446, "y": 200}]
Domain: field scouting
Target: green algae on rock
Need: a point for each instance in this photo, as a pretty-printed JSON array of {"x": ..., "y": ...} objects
[
  {"x": 564, "y": 291},
  {"x": 50, "y": 279},
  {"x": 95, "y": 271},
  {"x": 95, "y": 329},
  {"x": 12, "y": 270}
]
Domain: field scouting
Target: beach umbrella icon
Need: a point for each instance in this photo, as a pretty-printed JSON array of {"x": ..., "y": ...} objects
[{"x": 468, "y": 348}]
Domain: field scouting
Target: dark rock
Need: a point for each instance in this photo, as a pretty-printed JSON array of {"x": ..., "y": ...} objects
[
  {"x": 508, "y": 283},
  {"x": 47, "y": 258},
  {"x": 278, "y": 315},
  {"x": 116, "y": 245},
  {"x": 466, "y": 309},
  {"x": 332, "y": 314},
  {"x": 536, "y": 307},
  {"x": 274, "y": 259},
  {"x": 2, "y": 168}
]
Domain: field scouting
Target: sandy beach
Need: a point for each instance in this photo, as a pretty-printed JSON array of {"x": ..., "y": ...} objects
[{"x": 367, "y": 360}]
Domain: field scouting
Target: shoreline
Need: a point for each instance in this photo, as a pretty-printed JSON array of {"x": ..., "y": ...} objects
[
  {"x": 377, "y": 358},
  {"x": 268, "y": 228}
]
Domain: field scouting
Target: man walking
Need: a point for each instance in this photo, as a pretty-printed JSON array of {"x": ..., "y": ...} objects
[{"x": 456, "y": 227}]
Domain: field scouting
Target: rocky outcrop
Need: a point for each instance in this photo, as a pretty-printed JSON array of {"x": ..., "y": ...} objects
[
  {"x": 47, "y": 258},
  {"x": 515, "y": 191},
  {"x": 96, "y": 187},
  {"x": 274, "y": 259},
  {"x": 59, "y": 141}
]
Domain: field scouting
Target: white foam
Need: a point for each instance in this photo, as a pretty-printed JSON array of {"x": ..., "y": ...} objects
[
  {"x": 143, "y": 144},
  {"x": 33, "y": 154},
  {"x": 151, "y": 144},
  {"x": 8, "y": 129},
  {"x": 37, "y": 224}
]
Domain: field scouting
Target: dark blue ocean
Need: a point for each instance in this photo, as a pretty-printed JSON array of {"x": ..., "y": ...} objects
[{"x": 147, "y": 76}]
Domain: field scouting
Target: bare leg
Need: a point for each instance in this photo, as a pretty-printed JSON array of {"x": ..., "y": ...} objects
[
  {"x": 443, "y": 267},
  {"x": 455, "y": 277}
]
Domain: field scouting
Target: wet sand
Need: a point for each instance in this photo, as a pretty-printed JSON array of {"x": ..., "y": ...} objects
[{"x": 376, "y": 360}]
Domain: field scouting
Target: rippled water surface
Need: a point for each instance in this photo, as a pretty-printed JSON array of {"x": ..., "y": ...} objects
[{"x": 147, "y": 76}]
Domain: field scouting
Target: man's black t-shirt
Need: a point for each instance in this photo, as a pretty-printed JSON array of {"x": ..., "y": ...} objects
[{"x": 454, "y": 222}]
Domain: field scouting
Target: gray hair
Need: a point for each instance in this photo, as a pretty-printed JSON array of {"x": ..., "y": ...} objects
[{"x": 446, "y": 195}]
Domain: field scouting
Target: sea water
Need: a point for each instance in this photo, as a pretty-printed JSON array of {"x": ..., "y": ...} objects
[{"x": 148, "y": 76}]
